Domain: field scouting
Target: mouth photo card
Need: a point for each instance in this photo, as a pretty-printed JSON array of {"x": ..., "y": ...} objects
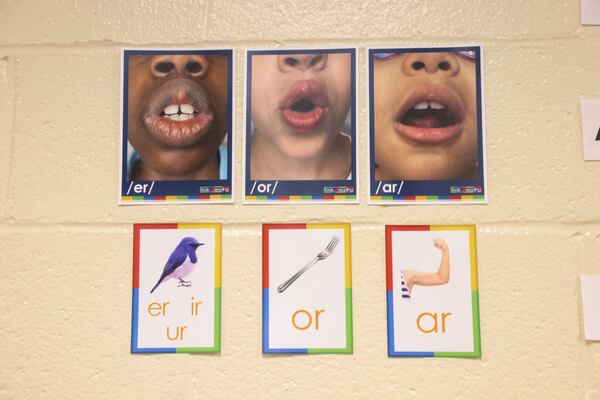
[
  {"x": 177, "y": 126},
  {"x": 176, "y": 302},
  {"x": 307, "y": 289},
  {"x": 300, "y": 126},
  {"x": 432, "y": 291},
  {"x": 426, "y": 127}
]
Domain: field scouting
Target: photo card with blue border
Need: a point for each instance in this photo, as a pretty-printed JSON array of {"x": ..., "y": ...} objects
[
  {"x": 176, "y": 126},
  {"x": 300, "y": 126},
  {"x": 426, "y": 126}
]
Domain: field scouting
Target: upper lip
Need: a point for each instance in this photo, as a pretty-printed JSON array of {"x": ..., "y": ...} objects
[
  {"x": 179, "y": 91},
  {"x": 432, "y": 93},
  {"x": 310, "y": 90}
]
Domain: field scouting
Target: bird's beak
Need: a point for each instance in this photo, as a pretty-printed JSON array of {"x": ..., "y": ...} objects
[{"x": 200, "y": 244}]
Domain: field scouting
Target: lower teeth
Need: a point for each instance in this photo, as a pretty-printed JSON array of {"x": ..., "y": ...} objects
[{"x": 180, "y": 117}]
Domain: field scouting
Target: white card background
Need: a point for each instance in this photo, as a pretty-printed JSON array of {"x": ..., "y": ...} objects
[
  {"x": 590, "y": 296},
  {"x": 156, "y": 246},
  {"x": 321, "y": 287},
  {"x": 590, "y": 122},
  {"x": 415, "y": 250},
  {"x": 590, "y": 12}
]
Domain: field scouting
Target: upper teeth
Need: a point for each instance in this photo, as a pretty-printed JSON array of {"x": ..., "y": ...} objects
[
  {"x": 424, "y": 105},
  {"x": 179, "y": 112}
]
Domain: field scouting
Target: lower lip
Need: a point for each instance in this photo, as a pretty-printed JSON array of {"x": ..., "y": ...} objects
[
  {"x": 303, "y": 121},
  {"x": 429, "y": 136},
  {"x": 178, "y": 133}
]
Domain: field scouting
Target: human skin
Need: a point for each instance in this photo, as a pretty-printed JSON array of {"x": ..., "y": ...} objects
[
  {"x": 441, "y": 277},
  {"x": 430, "y": 144},
  {"x": 299, "y": 104},
  {"x": 174, "y": 148}
]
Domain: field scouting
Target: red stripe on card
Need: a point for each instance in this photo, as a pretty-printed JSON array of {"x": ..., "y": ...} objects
[
  {"x": 136, "y": 256},
  {"x": 265, "y": 255},
  {"x": 265, "y": 246},
  {"x": 285, "y": 226},
  {"x": 389, "y": 277},
  {"x": 407, "y": 228},
  {"x": 156, "y": 226},
  {"x": 136, "y": 247}
]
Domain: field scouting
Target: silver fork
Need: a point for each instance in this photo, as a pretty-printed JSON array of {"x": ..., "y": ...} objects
[{"x": 321, "y": 256}]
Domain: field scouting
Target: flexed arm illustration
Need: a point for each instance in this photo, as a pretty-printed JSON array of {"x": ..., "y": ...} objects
[{"x": 441, "y": 277}]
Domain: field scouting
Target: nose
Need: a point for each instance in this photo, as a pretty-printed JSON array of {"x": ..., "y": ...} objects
[
  {"x": 417, "y": 63},
  {"x": 194, "y": 65},
  {"x": 301, "y": 62}
]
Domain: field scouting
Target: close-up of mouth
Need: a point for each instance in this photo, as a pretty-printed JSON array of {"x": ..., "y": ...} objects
[
  {"x": 431, "y": 114},
  {"x": 178, "y": 113},
  {"x": 304, "y": 106}
]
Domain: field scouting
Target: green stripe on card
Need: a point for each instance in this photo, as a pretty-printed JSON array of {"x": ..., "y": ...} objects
[
  {"x": 349, "y": 340},
  {"x": 476, "y": 353},
  {"x": 217, "y": 339}
]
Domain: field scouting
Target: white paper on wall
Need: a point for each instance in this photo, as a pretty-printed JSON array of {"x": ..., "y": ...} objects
[
  {"x": 590, "y": 12},
  {"x": 590, "y": 297},
  {"x": 590, "y": 123}
]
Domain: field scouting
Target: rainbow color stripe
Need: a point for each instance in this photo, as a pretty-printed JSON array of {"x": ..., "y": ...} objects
[
  {"x": 476, "y": 353},
  {"x": 450, "y": 198},
  {"x": 136, "y": 285},
  {"x": 307, "y": 198},
  {"x": 348, "y": 290},
  {"x": 203, "y": 197}
]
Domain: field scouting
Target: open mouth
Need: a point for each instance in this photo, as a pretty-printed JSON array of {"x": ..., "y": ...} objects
[
  {"x": 430, "y": 114},
  {"x": 179, "y": 113},
  {"x": 304, "y": 106}
]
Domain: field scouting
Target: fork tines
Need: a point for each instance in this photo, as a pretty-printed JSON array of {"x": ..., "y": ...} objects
[{"x": 332, "y": 244}]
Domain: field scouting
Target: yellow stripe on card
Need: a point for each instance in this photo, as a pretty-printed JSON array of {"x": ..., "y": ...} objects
[
  {"x": 347, "y": 247},
  {"x": 472, "y": 247},
  {"x": 218, "y": 234},
  {"x": 473, "y": 244},
  {"x": 218, "y": 254}
]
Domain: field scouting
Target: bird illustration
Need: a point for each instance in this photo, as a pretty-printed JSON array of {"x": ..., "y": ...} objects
[{"x": 181, "y": 262}]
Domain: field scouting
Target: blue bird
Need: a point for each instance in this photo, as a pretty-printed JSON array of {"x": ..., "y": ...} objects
[{"x": 181, "y": 262}]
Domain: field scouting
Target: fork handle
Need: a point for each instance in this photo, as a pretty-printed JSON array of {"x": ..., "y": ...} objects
[{"x": 287, "y": 283}]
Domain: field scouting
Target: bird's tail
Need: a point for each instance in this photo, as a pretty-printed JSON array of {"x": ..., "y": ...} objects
[{"x": 157, "y": 283}]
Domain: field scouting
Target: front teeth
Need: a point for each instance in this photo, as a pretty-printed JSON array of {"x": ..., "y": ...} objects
[
  {"x": 172, "y": 109},
  {"x": 179, "y": 112},
  {"x": 187, "y": 108},
  {"x": 424, "y": 105}
]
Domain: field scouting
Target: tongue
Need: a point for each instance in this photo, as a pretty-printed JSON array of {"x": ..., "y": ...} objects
[
  {"x": 427, "y": 121},
  {"x": 428, "y": 118}
]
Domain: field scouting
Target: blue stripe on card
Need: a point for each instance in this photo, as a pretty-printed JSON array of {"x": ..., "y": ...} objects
[
  {"x": 390, "y": 321},
  {"x": 134, "y": 329}
]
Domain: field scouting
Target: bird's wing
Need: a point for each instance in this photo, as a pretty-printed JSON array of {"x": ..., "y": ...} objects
[
  {"x": 175, "y": 260},
  {"x": 177, "y": 257}
]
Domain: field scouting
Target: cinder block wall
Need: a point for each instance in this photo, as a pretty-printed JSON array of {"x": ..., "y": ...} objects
[{"x": 66, "y": 247}]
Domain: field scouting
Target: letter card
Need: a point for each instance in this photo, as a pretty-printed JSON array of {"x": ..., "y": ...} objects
[
  {"x": 307, "y": 288},
  {"x": 432, "y": 291},
  {"x": 176, "y": 288},
  {"x": 590, "y": 124}
]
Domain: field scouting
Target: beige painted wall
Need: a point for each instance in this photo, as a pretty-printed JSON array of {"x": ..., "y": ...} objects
[{"x": 66, "y": 247}]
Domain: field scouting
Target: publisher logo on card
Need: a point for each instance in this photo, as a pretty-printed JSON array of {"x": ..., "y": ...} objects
[
  {"x": 214, "y": 189},
  {"x": 466, "y": 189},
  {"x": 338, "y": 189}
]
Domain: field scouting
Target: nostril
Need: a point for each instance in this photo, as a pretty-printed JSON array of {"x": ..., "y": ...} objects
[
  {"x": 164, "y": 67},
  {"x": 290, "y": 61},
  {"x": 417, "y": 65},
  {"x": 316, "y": 60},
  {"x": 194, "y": 67},
  {"x": 444, "y": 65}
]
